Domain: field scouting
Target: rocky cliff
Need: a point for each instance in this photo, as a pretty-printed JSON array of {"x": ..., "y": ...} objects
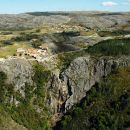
[
  {"x": 66, "y": 88},
  {"x": 19, "y": 72},
  {"x": 70, "y": 86}
]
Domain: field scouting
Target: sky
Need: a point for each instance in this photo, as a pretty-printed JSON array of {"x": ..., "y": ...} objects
[{"x": 21, "y": 6}]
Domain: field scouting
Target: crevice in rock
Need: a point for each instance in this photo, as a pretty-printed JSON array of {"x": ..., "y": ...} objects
[{"x": 69, "y": 87}]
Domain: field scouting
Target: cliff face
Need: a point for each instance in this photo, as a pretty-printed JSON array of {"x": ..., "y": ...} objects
[
  {"x": 84, "y": 72},
  {"x": 64, "y": 89},
  {"x": 18, "y": 71},
  {"x": 70, "y": 86}
]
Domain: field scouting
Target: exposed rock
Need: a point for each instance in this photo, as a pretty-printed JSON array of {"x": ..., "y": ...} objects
[
  {"x": 102, "y": 20},
  {"x": 19, "y": 72},
  {"x": 26, "y": 21},
  {"x": 64, "y": 88},
  {"x": 72, "y": 84},
  {"x": 87, "y": 19},
  {"x": 84, "y": 72}
]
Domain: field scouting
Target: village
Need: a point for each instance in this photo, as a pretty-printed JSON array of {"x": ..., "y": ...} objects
[{"x": 40, "y": 53}]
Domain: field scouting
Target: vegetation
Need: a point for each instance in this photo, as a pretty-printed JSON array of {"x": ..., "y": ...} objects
[
  {"x": 105, "y": 107},
  {"x": 87, "y": 33},
  {"x": 38, "y": 30},
  {"x": 114, "y": 47},
  {"x": 113, "y": 33},
  {"x": 6, "y": 33},
  {"x": 7, "y": 42},
  {"x": 41, "y": 77},
  {"x": 29, "y": 111},
  {"x": 5, "y": 89},
  {"x": 34, "y": 39},
  {"x": 25, "y": 37},
  {"x": 10, "y": 50},
  {"x": 6, "y": 121},
  {"x": 36, "y": 44},
  {"x": 47, "y": 13},
  {"x": 64, "y": 59}
]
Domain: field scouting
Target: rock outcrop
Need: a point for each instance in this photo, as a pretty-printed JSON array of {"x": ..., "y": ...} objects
[
  {"x": 70, "y": 86},
  {"x": 19, "y": 72},
  {"x": 64, "y": 89}
]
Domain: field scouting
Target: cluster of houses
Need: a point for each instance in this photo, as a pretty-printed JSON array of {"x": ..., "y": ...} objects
[{"x": 34, "y": 53}]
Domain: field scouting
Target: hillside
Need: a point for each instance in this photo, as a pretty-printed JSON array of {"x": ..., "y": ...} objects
[
  {"x": 65, "y": 71},
  {"x": 103, "y": 20}
]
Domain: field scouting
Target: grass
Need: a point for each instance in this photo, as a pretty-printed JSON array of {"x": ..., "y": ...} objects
[
  {"x": 64, "y": 59},
  {"x": 6, "y": 122},
  {"x": 10, "y": 50},
  {"x": 6, "y": 37},
  {"x": 126, "y": 27},
  {"x": 82, "y": 45},
  {"x": 87, "y": 33}
]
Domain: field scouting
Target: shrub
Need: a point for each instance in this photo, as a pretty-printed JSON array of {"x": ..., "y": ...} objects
[
  {"x": 25, "y": 113},
  {"x": 7, "y": 42},
  {"x": 38, "y": 30}
]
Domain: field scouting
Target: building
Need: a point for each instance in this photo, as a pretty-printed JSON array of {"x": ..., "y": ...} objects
[
  {"x": 32, "y": 52},
  {"x": 21, "y": 52}
]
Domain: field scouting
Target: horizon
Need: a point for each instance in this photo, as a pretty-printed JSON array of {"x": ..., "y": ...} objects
[
  {"x": 22, "y": 6},
  {"x": 73, "y": 11}
]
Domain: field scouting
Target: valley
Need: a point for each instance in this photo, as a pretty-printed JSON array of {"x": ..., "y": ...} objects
[{"x": 59, "y": 70}]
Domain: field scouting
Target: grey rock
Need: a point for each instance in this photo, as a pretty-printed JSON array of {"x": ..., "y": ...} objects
[
  {"x": 67, "y": 88},
  {"x": 71, "y": 86},
  {"x": 19, "y": 72}
]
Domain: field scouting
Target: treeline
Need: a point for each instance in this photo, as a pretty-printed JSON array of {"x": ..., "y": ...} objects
[
  {"x": 25, "y": 37},
  {"x": 113, "y": 47},
  {"x": 113, "y": 33},
  {"x": 34, "y": 39},
  {"x": 48, "y": 13}
]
